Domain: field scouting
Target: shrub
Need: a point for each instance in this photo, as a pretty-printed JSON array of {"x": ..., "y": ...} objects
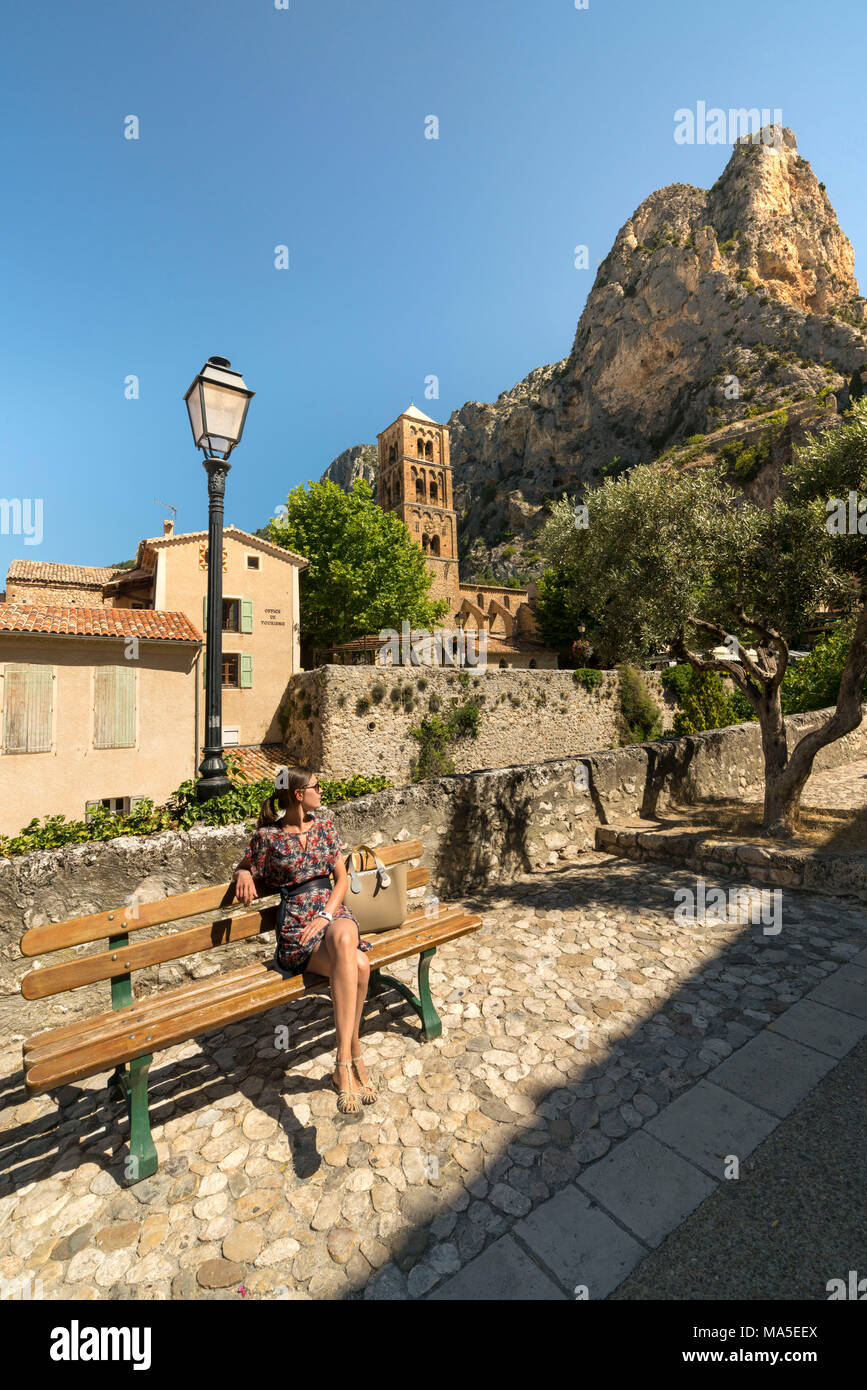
[
  {"x": 704, "y": 704},
  {"x": 435, "y": 734},
  {"x": 377, "y": 692},
  {"x": 587, "y": 677},
  {"x": 362, "y": 704},
  {"x": 639, "y": 719}
]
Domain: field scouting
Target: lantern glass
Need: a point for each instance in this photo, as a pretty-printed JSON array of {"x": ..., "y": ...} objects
[{"x": 217, "y": 404}]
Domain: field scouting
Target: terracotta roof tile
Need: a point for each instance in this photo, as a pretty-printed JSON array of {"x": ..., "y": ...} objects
[
  {"x": 261, "y": 760},
  {"x": 147, "y": 623},
  {"x": 50, "y": 573}
]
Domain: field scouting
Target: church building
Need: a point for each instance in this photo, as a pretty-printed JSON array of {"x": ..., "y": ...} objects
[{"x": 414, "y": 480}]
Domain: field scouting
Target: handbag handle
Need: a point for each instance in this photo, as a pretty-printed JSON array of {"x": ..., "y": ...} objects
[{"x": 354, "y": 880}]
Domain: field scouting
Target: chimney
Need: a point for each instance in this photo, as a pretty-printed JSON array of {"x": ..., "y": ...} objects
[{"x": 168, "y": 528}]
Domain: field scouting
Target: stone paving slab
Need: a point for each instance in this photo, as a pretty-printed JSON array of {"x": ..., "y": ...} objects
[
  {"x": 772, "y": 1072},
  {"x": 580, "y": 1243},
  {"x": 707, "y": 1124},
  {"x": 580, "y": 1010},
  {"x": 646, "y": 1186},
  {"x": 504, "y": 1271},
  {"x": 847, "y": 991},
  {"x": 816, "y": 1025},
  {"x": 795, "y": 1217}
]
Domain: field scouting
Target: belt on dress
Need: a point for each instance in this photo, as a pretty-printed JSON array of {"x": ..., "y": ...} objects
[{"x": 294, "y": 890}]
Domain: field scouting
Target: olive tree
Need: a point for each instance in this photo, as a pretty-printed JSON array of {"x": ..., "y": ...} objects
[{"x": 679, "y": 560}]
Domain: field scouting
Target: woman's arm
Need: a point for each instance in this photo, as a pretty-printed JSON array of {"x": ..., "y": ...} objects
[{"x": 247, "y": 877}]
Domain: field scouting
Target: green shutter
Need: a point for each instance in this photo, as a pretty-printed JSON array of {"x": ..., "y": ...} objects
[
  {"x": 205, "y": 616},
  {"x": 246, "y": 671},
  {"x": 114, "y": 707},
  {"x": 246, "y": 615},
  {"x": 28, "y": 702}
]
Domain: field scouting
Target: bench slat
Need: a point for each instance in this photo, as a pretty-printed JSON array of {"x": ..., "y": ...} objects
[
  {"x": 116, "y": 1022},
  {"x": 102, "y": 965},
  {"x": 91, "y": 1059},
  {"x": 56, "y": 936}
]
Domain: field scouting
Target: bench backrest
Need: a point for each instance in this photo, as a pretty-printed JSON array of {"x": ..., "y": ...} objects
[{"x": 116, "y": 924}]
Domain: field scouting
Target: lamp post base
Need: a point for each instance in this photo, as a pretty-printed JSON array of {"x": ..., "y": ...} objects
[{"x": 213, "y": 781}]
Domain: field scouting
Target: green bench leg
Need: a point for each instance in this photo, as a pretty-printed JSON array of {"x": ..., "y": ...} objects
[
  {"x": 130, "y": 1083},
  {"x": 432, "y": 1026}
]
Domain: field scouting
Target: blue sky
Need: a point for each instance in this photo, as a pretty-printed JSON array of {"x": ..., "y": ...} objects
[{"x": 408, "y": 257}]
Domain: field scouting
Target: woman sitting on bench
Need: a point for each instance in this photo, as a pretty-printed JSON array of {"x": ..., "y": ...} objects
[{"x": 292, "y": 852}]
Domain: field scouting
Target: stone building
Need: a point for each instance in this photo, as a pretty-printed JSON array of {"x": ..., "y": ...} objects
[
  {"x": 414, "y": 480},
  {"x": 260, "y": 620},
  {"x": 98, "y": 706}
]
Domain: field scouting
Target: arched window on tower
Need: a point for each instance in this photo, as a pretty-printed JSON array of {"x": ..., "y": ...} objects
[
  {"x": 392, "y": 453},
  {"x": 419, "y": 490},
  {"x": 428, "y": 449},
  {"x": 480, "y": 600},
  {"x": 425, "y": 541},
  {"x": 434, "y": 545},
  {"x": 433, "y": 490},
  {"x": 419, "y": 448},
  {"x": 505, "y": 600}
]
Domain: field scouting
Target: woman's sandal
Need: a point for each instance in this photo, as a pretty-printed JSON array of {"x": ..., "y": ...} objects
[
  {"x": 347, "y": 1101},
  {"x": 368, "y": 1090}
]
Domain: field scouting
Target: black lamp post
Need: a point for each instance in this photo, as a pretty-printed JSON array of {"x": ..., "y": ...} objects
[{"x": 217, "y": 403}]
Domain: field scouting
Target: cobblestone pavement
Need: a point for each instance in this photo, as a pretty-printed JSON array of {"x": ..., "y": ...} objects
[
  {"x": 578, "y": 1010},
  {"x": 840, "y": 788}
]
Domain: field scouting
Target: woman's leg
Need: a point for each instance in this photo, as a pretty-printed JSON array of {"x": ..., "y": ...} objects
[{"x": 338, "y": 957}]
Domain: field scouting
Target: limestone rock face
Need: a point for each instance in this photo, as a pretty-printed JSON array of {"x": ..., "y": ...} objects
[
  {"x": 711, "y": 306},
  {"x": 358, "y": 462},
  {"x": 695, "y": 283}
]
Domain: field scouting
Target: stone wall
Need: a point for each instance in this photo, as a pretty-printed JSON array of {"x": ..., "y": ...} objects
[
  {"x": 475, "y": 827},
  {"x": 28, "y": 591},
  {"x": 527, "y": 716}
]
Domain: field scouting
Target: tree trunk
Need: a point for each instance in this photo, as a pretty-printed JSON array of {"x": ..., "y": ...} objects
[
  {"x": 780, "y": 814},
  {"x": 785, "y": 782}
]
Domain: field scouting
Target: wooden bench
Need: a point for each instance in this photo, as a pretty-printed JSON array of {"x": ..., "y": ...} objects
[{"x": 126, "y": 1036}]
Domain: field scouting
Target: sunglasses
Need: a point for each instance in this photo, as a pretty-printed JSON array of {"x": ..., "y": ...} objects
[{"x": 313, "y": 787}]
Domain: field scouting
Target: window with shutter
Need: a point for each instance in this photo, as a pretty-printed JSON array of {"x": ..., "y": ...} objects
[
  {"x": 246, "y": 671},
  {"x": 114, "y": 707},
  {"x": 28, "y": 702},
  {"x": 246, "y": 615}
]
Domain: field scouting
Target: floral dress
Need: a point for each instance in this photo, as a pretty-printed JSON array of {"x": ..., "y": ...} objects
[{"x": 277, "y": 857}]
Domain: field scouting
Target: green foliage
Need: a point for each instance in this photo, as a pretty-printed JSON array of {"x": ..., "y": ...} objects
[
  {"x": 377, "y": 693},
  {"x": 696, "y": 438},
  {"x": 640, "y": 718},
  {"x": 362, "y": 704},
  {"x": 587, "y": 677},
  {"x": 435, "y": 734},
  {"x": 746, "y": 460},
  {"x": 676, "y": 680},
  {"x": 704, "y": 702},
  {"x": 814, "y": 681},
  {"x": 508, "y": 552},
  {"x": 181, "y": 811},
  {"x": 366, "y": 573},
  {"x": 560, "y": 611}
]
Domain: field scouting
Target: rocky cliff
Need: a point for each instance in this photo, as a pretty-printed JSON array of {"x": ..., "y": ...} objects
[{"x": 712, "y": 307}]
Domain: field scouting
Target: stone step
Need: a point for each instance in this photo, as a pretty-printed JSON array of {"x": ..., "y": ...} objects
[{"x": 818, "y": 870}]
